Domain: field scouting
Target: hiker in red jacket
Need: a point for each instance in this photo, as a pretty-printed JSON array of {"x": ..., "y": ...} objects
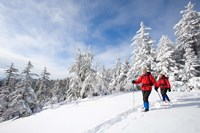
[
  {"x": 147, "y": 81},
  {"x": 164, "y": 85}
]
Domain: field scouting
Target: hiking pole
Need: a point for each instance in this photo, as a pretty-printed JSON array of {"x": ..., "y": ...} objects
[
  {"x": 159, "y": 96},
  {"x": 133, "y": 96},
  {"x": 161, "y": 100}
]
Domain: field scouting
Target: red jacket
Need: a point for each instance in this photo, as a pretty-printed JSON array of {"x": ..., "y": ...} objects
[
  {"x": 163, "y": 83},
  {"x": 147, "y": 81}
]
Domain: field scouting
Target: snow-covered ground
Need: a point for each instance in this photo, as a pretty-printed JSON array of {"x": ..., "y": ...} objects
[{"x": 120, "y": 113}]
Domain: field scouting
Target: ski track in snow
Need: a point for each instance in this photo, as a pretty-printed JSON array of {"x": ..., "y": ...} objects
[
  {"x": 136, "y": 113},
  {"x": 120, "y": 117}
]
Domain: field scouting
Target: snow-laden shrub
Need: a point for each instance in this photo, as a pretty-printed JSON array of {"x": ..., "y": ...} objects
[
  {"x": 178, "y": 86},
  {"x": 128, "y": 85},
  {"x": 194, "y": 83}
]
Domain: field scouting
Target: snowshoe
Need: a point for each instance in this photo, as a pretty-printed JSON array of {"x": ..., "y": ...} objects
[{"x": 145, "y": 110}]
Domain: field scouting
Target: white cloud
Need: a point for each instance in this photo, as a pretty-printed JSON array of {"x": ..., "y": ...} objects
[
  {"x": 42, "y": 33},
  {"x": 109, "y": 56},
  {"x": 39, "y": 62}
]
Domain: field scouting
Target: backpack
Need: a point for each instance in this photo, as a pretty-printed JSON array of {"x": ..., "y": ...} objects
[
  {"x": 150, "y": 82},
  {"x": 164, "y": 78}
]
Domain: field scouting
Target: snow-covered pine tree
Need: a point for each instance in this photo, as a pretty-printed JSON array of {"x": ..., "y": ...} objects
[
  {"x": 59, "y": 90},
  {"x": 115, "y": 84},
  {"x": 22, "y": 101},
  {"x": 164, "y": 57},
  {"x": 45, "y": 74},
  {"x": 7, "y": 88},
  {"x": 55, "y": 89},
  {"x": 76, "y": 80},
  {"x": 44, "y": 88},
  {"x": 126, "y": 82},
  {"x": 76, "y": 68},
  {"x": 83, "y": 70},
  {"x": 29, "y": 94},
  {"x": 3, "y": 101},
  {"x": 188, "y": 40},
  {"x": 89, "y": 86},
  {"x": 118, "y": 68},
  {"x": 27, "y": 75},
  {"x": 142, "y": 51},
  {"x": 126, "y": 67},
  {"x": 102, "y": 81},
  {"x": 1, "y": 82},
  {"x": 73, "y": 93},
  {"x": 11, "y": 73}
]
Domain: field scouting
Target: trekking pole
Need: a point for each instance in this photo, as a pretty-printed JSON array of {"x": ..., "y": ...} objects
[
  {"x": 159, "y": 96},
  {"x": 161, "y": 100},
  {"x": 133, "y": 96}
]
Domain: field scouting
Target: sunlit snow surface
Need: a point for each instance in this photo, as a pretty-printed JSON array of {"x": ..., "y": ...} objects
[{"x": 120, "y": 113}]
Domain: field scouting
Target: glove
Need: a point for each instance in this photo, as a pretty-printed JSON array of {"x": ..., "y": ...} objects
[
  {"x": 169, "y": 89},
  {"x": 156, "y": 89},
  {"x": 133, "y": 82}
]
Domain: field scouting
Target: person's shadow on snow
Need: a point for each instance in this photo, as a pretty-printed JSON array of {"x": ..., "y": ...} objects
[{"x": 186, "y": 102}]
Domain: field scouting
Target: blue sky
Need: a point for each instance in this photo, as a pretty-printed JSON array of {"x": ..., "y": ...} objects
[{"x": 48, "y": 32}]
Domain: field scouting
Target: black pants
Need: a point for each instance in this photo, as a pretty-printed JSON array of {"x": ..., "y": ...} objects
[
  {"x": 164, "y": 95},
  {"x": 145, "y": 94}
]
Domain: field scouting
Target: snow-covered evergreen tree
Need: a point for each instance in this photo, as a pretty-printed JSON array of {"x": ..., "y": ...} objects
[
  {"x": 11, "y": 73},
  {"x": 45, "y": 75},
  {"x": 83, "y": 72},
  {"x": 126, "y": 82},
  {"x": 76, "y": 80},
  {"x": 118, "y": 68},
  {"x": 103, "y": 81},
  {"x": 7, "y": 88},
  {"x": 188, "y": 40},
  {"x": 22, "y": 100},
  {"x": 115, "y": 73},
  {"x": 27, "y": 75},
  {"x": 83, "y": 64},
  {"x": 89, "y": 86},
  {"x": 142, "y": 51},
  {"x": 79, "y": 61},
  {"x": 75, "y": 84},
  {"x": 126, "y": 67},
  {"x": 55, "y": 89},
  {"x": 164, "y": 56},
  {"x": 26, "y": 84},
  {"x": 119, "y": 78},
  {"x": 44, "y": 88},
  {"x": 59, "y": 90}
]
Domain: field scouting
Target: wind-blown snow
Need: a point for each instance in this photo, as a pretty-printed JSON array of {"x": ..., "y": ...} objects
[{"x": 115, "y": 114}]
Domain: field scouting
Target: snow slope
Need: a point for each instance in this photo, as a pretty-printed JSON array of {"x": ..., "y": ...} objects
[{"x": 120, "y": 113}]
